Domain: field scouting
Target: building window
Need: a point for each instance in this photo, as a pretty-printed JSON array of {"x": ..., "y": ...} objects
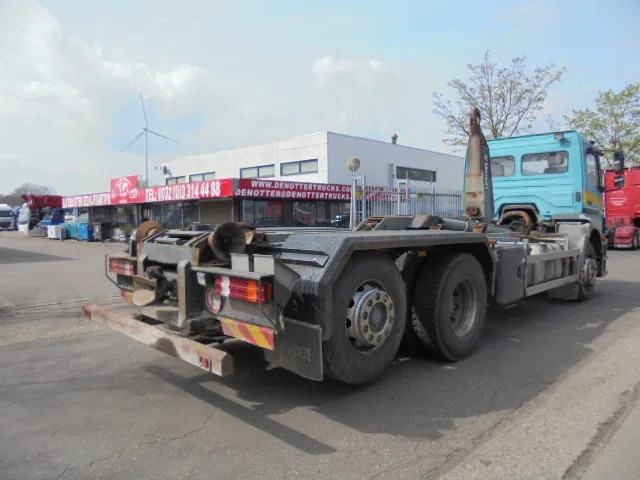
[
  {"x": 305, "y": 214},
  {"x": 265, "y": 171},
  {"x": 296, "y": 168},
  {"x": 201, "y": 177},
  {"x": 124, "y": 216},
  {"x": 262, "y": 213},
  {"x": 173, "y": 215},
  {"x": 416, "y": 174},
  {"x": 174, "y": 180},
  {"x": 316, "y": 214},
  {"x": 190, "y": 213},
  {"x": 339, "y": 214}
]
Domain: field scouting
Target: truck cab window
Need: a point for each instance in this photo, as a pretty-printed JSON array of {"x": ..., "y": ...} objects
[
  {"x": 503, "y": 166},
  {"x": 545, "y": 163},
  {"x": 592, "y": 170}
]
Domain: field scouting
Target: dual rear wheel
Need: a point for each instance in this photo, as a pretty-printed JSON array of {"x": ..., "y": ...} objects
[{"x": 370, "y": 313}]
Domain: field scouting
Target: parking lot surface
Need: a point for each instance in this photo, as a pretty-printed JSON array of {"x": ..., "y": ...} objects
[{"x": 78, "y": 401}]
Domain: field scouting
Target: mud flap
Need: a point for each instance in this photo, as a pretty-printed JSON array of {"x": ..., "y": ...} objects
[{"x": 298, "y": 348}]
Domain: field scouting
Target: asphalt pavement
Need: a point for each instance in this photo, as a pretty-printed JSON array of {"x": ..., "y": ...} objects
[
  {"x": 619, "y": 458},
  {"x": 78, "y": 401}
]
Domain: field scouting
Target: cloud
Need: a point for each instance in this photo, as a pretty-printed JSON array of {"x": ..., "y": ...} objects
[
  {"x": 62, "y": 96},
  {"x": 57, "y": 95},
  {"x": 328, "y": 71},
  {"x": 356, "y": 92}
]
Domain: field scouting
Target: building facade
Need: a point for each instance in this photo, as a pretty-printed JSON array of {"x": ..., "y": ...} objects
[
  {"x": 301, "y": 181},
  {"x": 321, "y": 158}
]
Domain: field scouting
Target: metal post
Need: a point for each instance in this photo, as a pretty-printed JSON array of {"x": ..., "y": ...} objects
[
  {"x": 364, "y": 198},
  {"x": 146, "y": 157},
  {"x": 408, "y": 198},
  {"x": 432, "y": 200},
  {"x": 352, "y": 210}
]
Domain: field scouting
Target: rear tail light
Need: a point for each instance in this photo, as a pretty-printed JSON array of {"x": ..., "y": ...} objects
[
  {"x": 244, "y": 289},
  {"x": 122, "y": 266}
]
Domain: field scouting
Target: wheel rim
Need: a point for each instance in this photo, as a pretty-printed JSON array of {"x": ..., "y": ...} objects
[
  {"x": 463, "y": 308},
  {"x": 589, "y": 272},
  {"x": 370, "y": 316}
]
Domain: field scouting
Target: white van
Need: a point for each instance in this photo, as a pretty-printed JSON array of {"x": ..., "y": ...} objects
[{"x": 7, "y": 218}]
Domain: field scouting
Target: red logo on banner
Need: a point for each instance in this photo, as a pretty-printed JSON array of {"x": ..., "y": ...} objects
[{"x": 125, "y": 189}]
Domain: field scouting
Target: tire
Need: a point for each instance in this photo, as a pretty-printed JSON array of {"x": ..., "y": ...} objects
[
  {"x": 634, "y": 242},
  {"x": 587, "y": 283},
  {"x": 349, "y": 355},
  {"x": 433, "y": 314}
]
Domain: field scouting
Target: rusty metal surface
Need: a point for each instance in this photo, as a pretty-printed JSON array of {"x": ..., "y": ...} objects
[
  {"x": 208, "y": 358},
  {"x": 478, "y": 195},
  {"x": 147, "y": 228}
]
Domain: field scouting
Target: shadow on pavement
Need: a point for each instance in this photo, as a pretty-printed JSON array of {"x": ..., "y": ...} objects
[
  {"x": 12, "y": 255},
  {"x": 524, "y": 350}
]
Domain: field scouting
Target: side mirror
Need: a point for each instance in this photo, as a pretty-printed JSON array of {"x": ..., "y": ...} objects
[
  {"x": 618, "y": 162},
  {"x": 619, "y": 182}
]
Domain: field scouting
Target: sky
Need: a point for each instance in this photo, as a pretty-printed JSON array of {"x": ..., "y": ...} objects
[{"x": 220, "y": 74}]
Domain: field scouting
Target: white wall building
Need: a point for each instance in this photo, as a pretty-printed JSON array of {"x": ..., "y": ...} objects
[{"x": 321, "y": 158}]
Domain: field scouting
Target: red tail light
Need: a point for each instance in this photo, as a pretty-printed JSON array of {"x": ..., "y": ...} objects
[
  {"x": 122, "y": 266},
  {"x": 244, "y": 289}
]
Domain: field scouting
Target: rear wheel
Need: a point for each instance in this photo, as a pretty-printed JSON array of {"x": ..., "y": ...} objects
[
  {"x": 368, "y": 318},
  {"x": 587, "y": 283},
  {"x": 449, "y": 306},
  {"x": 634, "y": 242}
]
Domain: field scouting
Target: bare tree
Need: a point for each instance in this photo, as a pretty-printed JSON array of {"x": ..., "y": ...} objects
[
  {"x": 33, "y": 189},
  {"x": 15, "y": 197},
  {"x": 508, "y": 98}
]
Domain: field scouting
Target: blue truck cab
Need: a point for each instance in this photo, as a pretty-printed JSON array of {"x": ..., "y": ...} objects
[
  {"x": 539, "y": 180},
  {"x": 544, "y": 181}
]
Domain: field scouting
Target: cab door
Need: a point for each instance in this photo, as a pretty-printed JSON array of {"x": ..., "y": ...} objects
[{"x": 593, "y": 201}]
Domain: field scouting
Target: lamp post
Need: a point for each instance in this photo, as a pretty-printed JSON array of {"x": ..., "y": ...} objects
[{"x": 353, "y": 164}]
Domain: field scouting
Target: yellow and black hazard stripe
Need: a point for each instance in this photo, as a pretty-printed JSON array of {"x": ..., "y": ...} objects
[{"x": 260, "y": 336}]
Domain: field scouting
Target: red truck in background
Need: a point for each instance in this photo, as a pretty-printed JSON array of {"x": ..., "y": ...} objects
[
  {"x": 34, "y": 209},
  {"x": 622, "y": 206}
]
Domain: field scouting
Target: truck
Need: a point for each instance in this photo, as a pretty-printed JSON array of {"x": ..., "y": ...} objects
[
  {"x": 35, "y": 208},
  {"x": 324, "y": 302},
  {"x": 622, "y": 200},
  {"x": 7, "y": 217}
]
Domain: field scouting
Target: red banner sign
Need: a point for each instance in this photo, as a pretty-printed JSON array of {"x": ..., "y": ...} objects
[
  {"x": 292, "y": 190},
  {"x": 92, "y": 200},
  {"x": 125, "y": 189},
  {"x": 189, "y": 191}
]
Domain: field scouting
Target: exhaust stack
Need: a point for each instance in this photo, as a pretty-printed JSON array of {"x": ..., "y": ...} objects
[{"x": 478, "y": 195}]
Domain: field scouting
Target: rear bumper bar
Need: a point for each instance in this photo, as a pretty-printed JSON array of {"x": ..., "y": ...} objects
[
  {"x": 298, "y": 348},
  {"x": 208, "y": 358}
]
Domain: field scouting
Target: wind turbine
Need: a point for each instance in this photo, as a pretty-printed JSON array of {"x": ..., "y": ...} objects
[{"x": 146, "y": 131}]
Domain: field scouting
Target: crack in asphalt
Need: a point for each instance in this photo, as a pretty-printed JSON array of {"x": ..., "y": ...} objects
[
  {"x": 149, "y": 443},
  {"x": 62, "y": 473},
  {"x": 191, "y": 432}
]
